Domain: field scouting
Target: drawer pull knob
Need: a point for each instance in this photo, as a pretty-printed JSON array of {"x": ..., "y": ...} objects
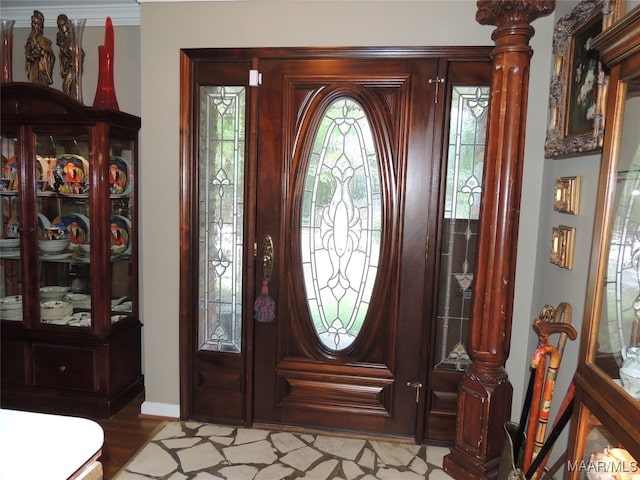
[{"x": 62, "y": 368}]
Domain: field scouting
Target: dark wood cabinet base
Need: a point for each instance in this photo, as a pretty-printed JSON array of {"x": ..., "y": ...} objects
[{"x": 71, "y": 375}]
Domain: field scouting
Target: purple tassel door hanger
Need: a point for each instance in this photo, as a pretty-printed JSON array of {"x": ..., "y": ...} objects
[{"x": 264, "y": 308}]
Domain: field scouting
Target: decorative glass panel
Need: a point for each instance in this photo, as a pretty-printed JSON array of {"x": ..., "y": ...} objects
[
  {"x": 221, "y": 209},
  {"x": 341, "y": 224},
  {"x": 467, "y": 133}
]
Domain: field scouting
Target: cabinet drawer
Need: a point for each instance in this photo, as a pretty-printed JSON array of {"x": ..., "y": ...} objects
[{"x": 63, "y": 367}]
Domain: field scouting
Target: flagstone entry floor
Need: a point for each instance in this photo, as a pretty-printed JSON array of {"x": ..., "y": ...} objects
[{"x": 201, "y": 451}]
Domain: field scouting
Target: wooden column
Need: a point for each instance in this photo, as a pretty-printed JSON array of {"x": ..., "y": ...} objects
[{"x": 485, "y": 393}]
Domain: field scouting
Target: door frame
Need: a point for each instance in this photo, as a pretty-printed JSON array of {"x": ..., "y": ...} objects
[{"x": 190, "y": 60}]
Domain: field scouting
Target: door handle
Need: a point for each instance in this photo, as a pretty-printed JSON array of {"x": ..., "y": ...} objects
[
  {"x": 267, "y": 258},
  {"x": 264, "y": 306},
  {"x": 417, "y": 386}
]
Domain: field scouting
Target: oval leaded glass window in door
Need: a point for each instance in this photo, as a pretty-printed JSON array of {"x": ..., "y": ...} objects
[{"x": 341, "y": 223}]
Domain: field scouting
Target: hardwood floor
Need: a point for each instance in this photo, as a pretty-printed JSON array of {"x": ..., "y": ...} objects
[{"x": 124, "y": 434}]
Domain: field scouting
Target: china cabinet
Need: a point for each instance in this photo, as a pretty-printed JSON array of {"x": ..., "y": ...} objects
[
  {"x": 605, "y": 433},
  {"x": 71, "y": 336}
]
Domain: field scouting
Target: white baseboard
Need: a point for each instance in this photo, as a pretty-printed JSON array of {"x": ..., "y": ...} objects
[{"x": 156, "y": 409}]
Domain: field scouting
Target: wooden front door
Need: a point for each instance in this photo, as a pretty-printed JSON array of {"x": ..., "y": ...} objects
[
  {"x": 349, "y": 240},
  {"x": 325, "y": 197}
]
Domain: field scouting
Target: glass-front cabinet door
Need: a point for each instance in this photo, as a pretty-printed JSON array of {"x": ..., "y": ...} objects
[
  {"x": 10, "y": 264},
  {"x": 75, "y": 233},
  {"x": 80, "y": 206},
  {"x": 606, "y": 432}
]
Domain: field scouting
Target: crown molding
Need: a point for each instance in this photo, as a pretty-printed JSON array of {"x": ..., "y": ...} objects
[{"x": 122, "y": 13}]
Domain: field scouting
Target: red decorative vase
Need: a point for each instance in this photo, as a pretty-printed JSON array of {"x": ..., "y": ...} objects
[
  {"x": 106, "y": 92},
  {"x": 7, "y": 50}
]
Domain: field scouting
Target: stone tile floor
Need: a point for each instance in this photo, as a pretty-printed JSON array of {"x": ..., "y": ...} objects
[{"x": 201, "y": 451}]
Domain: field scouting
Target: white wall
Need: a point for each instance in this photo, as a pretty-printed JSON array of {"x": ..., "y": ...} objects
[{"x": 167, "y": 27}]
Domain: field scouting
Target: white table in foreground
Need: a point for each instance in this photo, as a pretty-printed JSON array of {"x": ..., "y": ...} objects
[{"x": 53, "y": 447}]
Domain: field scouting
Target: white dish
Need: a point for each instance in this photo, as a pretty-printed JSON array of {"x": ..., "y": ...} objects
[
  {"x": 79, "y": 300},
  {"x": 9, "y": 242},
  {"x": 84, "y": 257},
  {"x": 123, "y": 307},
  {"x": 11, "y": 302},
  {"x": 55, "y": 309},
  {"x": 57, "y": 321},
  {"x": 53, "y": 292},
  {"x": 55, "y": 256},
  {"x": 80, "y": 319},
  {"x": 53, "y": 246},
  {"x": 9, "y": 253},
  {"x": 13, "y": 315}
]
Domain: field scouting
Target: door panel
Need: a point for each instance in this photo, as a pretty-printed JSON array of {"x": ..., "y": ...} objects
[
  {"x": 214, "y": 355},
  {"x": 298, "y": 379}
]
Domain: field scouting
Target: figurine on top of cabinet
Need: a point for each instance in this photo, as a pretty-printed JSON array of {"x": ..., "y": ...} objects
[
  {"x": 38, "y": 52},
  {"x": 71, "y": 57}
]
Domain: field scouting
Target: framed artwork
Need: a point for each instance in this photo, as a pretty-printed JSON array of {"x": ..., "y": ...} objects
[
  {"x": 567, "y": 195},
  {"x": 563, "y": 239},
  {"x": 578, "y": 85}
]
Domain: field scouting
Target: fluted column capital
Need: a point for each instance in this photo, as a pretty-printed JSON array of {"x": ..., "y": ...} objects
[{"x": 503, "y": 12}]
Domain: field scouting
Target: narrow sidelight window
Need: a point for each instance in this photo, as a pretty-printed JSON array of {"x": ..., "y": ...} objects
[{"x": 221, "y": 177}]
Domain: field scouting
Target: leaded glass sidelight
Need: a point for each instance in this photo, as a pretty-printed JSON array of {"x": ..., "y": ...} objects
[
  {"x": 465, "y": 161},
  {"x": 221, "y": 187},
  {"x": 341, "y": 224}
]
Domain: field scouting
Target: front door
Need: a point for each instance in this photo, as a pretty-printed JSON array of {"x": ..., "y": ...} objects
[
  {"x": 311, "y": 197},
  {"x": 338, "y": 140}
]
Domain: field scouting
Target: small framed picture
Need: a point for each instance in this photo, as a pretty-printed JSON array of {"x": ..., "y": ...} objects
[
  {"x": 562, "y": 246},
  {"x": 567, "y": 195}
]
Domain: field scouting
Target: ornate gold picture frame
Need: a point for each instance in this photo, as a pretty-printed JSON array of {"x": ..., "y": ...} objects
[
  {"x": 563, "y": 240},
  {"x": 567, "y": 195},
  {"x": 578, "y": 85}
]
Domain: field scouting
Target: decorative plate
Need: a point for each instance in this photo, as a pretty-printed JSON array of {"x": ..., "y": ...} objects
[
  {"x": 42, "y": 175},
  {"x": 77, "y": 227},
  {"x": 119, "y": 172},
  {"x": 13, "y": 228},
  {"x": 119, "y": 234},
  {"x": 9, "y": 181},
  {"x": 43, "y": 224},
  {"x": 68, "y": 174}
]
